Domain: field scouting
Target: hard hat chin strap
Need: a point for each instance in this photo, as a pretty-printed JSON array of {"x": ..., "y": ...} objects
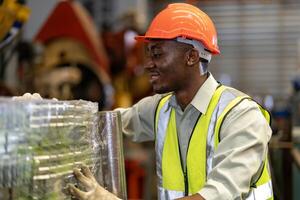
[
  {"x": 203, "y": 68},
  {"x": 198, "y": 45},
  {"x": 202, "y": 52}
]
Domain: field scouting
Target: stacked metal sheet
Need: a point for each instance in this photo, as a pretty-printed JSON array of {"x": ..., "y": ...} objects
[{"x": 41, "y": 142}]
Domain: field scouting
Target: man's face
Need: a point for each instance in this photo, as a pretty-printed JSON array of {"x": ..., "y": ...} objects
[{"x": 166, "y": 65}]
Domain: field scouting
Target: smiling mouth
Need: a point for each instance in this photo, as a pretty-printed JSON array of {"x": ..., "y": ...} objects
[{"x": 154, "y": 76}]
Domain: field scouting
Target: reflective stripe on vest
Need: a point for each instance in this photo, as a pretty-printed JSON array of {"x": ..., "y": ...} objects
[{"x": 173, "y": 180}]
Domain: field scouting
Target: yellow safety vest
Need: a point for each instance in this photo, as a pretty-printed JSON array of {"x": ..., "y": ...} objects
[{"x": 173, "y": 180}]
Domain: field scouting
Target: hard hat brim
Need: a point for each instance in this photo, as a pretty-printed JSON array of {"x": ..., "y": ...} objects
[
  {"x": 140, "y": 38},
  {"x": 146, "y": 39},
  {"x": 143, "y": 38}
]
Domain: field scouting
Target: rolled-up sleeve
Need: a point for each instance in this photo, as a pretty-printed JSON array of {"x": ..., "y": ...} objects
[
  {"x": 138, "y": 120},
  {"x": 238, "y": 160}
]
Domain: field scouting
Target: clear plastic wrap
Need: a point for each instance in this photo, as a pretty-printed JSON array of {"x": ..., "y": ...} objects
[
  {"x": 41, "y": 141},
  {"x": 111, "y": 150}
]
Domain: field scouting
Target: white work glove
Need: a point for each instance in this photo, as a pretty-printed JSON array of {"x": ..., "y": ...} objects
[
  {"x": 94, "y": 190},
  {"x": 27, "y": 97}
]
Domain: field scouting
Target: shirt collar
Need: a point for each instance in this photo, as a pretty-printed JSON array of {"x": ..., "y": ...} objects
[{"x": 203, "y": 96}]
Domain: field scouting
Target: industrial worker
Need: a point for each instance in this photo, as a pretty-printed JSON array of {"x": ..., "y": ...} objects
[{"x": 211, "y": 140}]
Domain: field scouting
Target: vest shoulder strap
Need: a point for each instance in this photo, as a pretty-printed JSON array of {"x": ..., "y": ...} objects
[
  {"x": 160, "y": 104},
  {"x": 240, "y": 96},
  {"x": 262, "y": 186},
  {"x": 223, "y": 115}
]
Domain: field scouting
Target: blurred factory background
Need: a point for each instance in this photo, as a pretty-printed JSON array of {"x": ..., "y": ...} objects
[{"x": 85, "y": 49}]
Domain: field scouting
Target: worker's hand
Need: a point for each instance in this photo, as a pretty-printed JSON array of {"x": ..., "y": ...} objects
[
  {"x": 27, "y": 97},
  {"x": 94, "y": 190}
]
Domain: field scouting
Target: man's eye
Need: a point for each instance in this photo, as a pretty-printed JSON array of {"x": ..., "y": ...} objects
[{"x": 156, "y": 55}]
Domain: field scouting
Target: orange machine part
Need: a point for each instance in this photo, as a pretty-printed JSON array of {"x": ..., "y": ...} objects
[{"x": 70, "y": 19}]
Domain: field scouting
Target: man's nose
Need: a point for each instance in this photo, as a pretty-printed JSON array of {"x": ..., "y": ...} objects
[{"x": 149, "y": 64}]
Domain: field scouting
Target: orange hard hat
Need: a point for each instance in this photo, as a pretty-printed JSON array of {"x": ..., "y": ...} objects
[{"x": 183, "y": 20}]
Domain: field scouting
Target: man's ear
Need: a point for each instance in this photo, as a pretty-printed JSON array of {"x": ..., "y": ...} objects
[{"x": 192, "y": 57}]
